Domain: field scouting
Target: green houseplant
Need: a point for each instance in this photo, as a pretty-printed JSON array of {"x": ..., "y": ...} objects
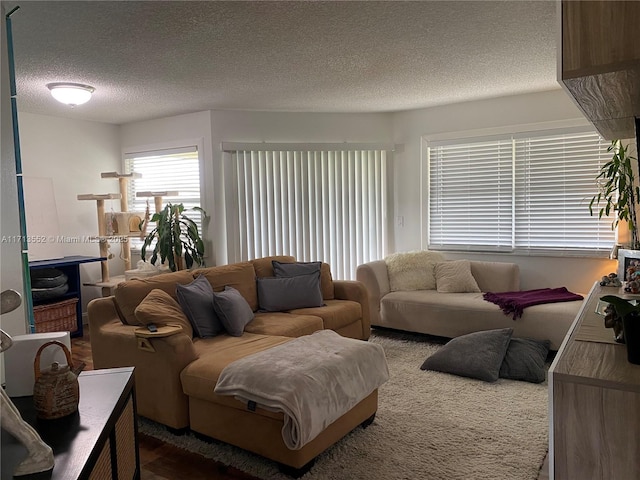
[
  {"x": 618, "y": 191},
  {"x": 176, "y": 236},
  {"x": 630, "y": 315}
]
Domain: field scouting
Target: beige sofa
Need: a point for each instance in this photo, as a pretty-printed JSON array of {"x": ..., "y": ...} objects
[
  {"x": 454, "y": 314},
  {"x": 176, "y": 374}
]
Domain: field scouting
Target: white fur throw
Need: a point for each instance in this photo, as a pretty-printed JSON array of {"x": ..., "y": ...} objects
[{"x": 412, "y": 270}]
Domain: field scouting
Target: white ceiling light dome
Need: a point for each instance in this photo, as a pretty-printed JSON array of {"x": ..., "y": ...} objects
[{"x": 71, "y": 93}]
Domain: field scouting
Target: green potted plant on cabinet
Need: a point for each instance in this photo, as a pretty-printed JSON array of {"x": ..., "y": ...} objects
[
  {"x": 176, "y": 237},
  {"x": 618, "y": 191},
  {"x": 630, "y": 315}
]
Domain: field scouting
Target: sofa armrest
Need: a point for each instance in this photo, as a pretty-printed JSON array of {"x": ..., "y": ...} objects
[
  {"x": 159, "y": 394},
  {"x": 356, "y": 291},
  {"x": 375, "y": 279},
  {"x": 496, "y": 276}
]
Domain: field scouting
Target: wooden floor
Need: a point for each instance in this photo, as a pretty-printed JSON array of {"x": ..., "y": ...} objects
[{"x": 161, "y": 461}]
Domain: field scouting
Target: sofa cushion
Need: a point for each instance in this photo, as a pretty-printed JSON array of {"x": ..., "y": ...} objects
[
  {"x": 525, "y": 360},
  {"x": 264, "y": 268},
  {"x": 233, "y": 310},
  {"x": 476, "y": 355},
  {"x": 294, "y": 269},
  {"x": 284, "y": 324},
  {"x": 335, "y": 314},
  {"x": 240, "y": 276},
  {"x": 412, "y": 270},
  {"x": 160, "y": 308},
  {"x": 455, "y": 277},
  {"x": 287, "y": 293},
  {"x": 196, "y": 301},
  {"x": 200, "y": 376},
  {"x": 129, "y": 294}
]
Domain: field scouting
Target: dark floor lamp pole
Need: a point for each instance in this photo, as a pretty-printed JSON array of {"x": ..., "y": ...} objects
[{"x": 24, "y": 246}]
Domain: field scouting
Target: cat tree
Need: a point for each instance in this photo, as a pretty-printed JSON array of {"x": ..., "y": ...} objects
[{"x": 123, "y": 229}]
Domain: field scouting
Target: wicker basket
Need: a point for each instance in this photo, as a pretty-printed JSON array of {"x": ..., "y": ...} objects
[{"x": 56, "y": 317}]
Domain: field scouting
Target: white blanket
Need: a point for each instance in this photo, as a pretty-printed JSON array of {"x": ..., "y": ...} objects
[{"x": 313, "y": 380}]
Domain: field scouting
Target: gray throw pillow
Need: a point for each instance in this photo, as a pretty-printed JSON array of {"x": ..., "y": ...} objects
[
  {"x": 287, "y": 293},
  {"x": 196, "y": 301},
  {"x": 475, "y": 355},
  {"x": 525, "y": 360},
  {"x": 233, "y": 310},
  {"x": 294, "y": 269}
]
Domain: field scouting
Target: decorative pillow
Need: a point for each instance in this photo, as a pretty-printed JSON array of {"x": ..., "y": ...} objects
[
  {"x": 160, "y": 308},
  {"x": 233, "y": 310},
  {"x": 475, "y": 355},
  {"x": 525, "y": 360},
  {"x": 287, "y": 293},
  {"x": 196, "y": 301},
  {"x": 412, "y": 270},
  {"x": 455, "y": 277},
  {"x": 294, "y": 269}
]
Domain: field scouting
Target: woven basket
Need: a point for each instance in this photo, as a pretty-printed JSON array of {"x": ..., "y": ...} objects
[{"x": 56, "y": 317}]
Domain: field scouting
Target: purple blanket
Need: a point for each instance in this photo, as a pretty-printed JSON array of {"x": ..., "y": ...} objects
[{"x": 515, "y": 302}]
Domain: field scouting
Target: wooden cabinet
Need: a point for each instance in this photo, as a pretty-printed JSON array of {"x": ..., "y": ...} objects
[
  {"x": 98, "y": 442},
  {"x": 600, "y": 62},
  {"x": 594, "y": 395}
]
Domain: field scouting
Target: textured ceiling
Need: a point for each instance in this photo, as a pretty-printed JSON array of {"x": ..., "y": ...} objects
[{"x": 151, "y": 59}]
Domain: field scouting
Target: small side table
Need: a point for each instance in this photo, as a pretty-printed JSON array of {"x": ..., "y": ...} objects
[{"x": 100, "y": 441}]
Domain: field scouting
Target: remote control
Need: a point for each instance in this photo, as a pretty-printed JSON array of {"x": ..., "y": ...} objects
[{"x": 152, "y": 327}]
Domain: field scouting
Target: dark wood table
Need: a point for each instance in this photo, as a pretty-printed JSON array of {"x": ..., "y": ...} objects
[{"x": 99, "y": 441}]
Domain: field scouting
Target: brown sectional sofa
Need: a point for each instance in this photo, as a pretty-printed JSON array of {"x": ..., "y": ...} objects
[{"x": 176, "y": 374}]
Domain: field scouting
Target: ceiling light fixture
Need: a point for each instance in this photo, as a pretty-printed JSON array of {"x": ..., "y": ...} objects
[{"x": 71, "y": 93}]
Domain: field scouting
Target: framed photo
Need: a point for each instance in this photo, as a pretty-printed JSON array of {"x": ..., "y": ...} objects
[{"x": 625, "y": 257}]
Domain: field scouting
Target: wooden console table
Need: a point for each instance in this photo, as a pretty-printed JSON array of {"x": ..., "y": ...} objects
[
  {"x": 594, "y": 401},
  {"x": 98, "y": 442}
]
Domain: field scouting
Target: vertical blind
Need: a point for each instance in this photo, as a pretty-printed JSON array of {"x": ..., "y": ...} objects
[
  {"x": 517, "y": 192},
  {"x": 314, "y": 205},
  {"x": 166, "y": 170}
]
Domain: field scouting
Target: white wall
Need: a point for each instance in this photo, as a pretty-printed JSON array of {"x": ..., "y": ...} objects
[
  {"x": 552, "y": 108},
  {"x": 215, "y": 127},
  {"x": 73, "y": 153}
]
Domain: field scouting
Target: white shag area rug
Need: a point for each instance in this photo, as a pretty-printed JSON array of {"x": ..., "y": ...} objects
[{"x": 429, "y": 425}]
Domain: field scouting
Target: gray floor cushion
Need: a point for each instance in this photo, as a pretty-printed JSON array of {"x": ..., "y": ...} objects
[
  {"x": 525, "y": 360},
  {"x": 476, "y": 355}
]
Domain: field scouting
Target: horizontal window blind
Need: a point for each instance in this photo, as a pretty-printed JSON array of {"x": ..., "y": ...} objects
[
  {"x": 172, "y": 170},
  {"x": 315, "y": 205},
  {"x": 555, "y": 181},
  {"x": 471, "y": 192},
  {"x": 517, "y": 192}
]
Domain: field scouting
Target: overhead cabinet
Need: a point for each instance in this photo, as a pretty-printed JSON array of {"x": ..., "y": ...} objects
[{"x": 600, "y": 62}]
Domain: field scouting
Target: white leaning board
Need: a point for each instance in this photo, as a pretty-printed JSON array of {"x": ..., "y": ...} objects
[{"x": 41, "y": 215}]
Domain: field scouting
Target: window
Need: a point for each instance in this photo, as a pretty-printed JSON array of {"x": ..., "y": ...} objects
[
  {"x": 174, "y": 170},
  {"x": 327, "y": 205},
  {"x": 517, "y": 193}
]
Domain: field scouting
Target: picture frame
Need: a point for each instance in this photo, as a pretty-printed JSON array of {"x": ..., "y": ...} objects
[{"x": 625, "y": 256}]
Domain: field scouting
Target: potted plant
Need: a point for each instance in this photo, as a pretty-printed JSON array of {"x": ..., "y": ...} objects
[
  {"x": 630, "y": 315},
  {"x": 618, "y": 191},
  {"x": 176, "y": 236}
]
